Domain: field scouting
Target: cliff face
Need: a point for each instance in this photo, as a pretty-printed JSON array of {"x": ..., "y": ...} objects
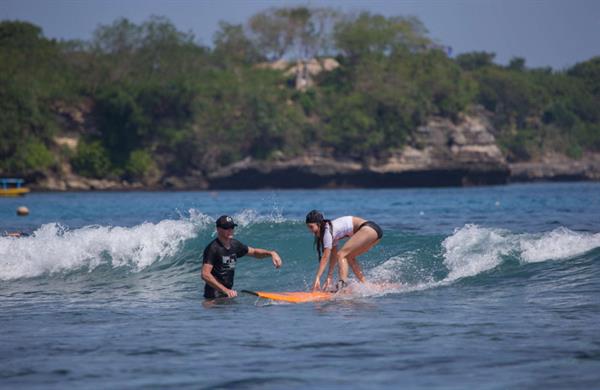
[
  {"x": 443, "y": 153},
  {"x": 557, "y": 168}
]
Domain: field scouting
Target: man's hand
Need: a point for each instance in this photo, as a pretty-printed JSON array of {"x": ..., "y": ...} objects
[
  {"x": 230, "y": 293},
  {"x": 276, "y": 259}
]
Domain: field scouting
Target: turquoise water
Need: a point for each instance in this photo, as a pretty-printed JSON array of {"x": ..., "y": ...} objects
[{"x": 488, "y": 287}]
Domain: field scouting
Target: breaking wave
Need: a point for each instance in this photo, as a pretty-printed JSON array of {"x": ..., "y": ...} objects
[
  {"x": 474, "y": 250},
  {"x": 470, "y": 251},
  {"x": 54, "y": 248}
]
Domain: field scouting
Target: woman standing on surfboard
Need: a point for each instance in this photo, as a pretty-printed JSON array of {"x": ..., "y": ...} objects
[{"x": 363, "y": 236}]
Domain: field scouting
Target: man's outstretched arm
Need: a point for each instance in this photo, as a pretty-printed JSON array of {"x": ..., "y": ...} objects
[{"x": 262, "y": 253}]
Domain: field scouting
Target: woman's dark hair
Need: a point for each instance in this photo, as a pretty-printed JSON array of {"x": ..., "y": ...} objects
[{"x": 315, "y": 216}]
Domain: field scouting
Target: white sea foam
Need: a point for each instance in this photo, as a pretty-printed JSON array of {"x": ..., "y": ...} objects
[
  {"x": 472, "y": 250},
  {"x": 53, "y": 248},
  {"x": 560, "y": 243},
  {"x": 469, "y": 251},
  {"x": 390, "y": 277},
  {"x": 388, "y": 270}
]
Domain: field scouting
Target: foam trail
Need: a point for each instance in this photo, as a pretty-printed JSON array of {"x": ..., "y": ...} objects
[
  {"x": 401, "y": 273},
  {"x": 473, "y": 250},
  {"x": 389, "y": 270},
  {"x": 52, "y": 248},
  {"x": 469, "y": 251}
]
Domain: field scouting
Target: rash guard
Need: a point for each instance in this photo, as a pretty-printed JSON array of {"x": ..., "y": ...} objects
[
  {"x": 342, "y": 228},
  {"x": 223, "y": 261}
]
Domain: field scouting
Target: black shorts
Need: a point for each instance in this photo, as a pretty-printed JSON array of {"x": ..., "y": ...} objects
[{"x": 373, "y": 226}]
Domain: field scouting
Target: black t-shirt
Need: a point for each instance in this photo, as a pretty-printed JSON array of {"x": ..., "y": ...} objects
[{"x": 223, "y": 261}]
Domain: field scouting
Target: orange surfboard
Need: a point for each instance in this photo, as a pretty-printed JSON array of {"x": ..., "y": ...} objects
[{"x": 294, "y": 297}]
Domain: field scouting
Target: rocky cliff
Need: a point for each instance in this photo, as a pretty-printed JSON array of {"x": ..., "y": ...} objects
[
  {"x": 557, "y": 168},
  {"x": 441, "y": 153}
]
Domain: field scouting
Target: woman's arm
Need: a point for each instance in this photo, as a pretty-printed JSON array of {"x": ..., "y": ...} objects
[
  {"x": 322, "y": 265},
  {"x": 332, "y": 265}
]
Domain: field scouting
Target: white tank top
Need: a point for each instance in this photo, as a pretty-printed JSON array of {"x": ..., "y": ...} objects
[{"x": 342, "y": 227}]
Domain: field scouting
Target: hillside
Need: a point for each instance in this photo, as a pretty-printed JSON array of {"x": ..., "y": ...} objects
[{"x": 373, "y": 101}]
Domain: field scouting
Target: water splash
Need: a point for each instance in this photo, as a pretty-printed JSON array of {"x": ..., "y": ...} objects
[
  {"x": 560, "y": 243},
  {"x": 53, "y": 248},
  {"x": 248, "y": 217},
  {"x": 473, "y": 250}
]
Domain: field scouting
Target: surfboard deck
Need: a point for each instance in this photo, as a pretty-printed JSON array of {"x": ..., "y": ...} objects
[{"x": 293, "y": 296}]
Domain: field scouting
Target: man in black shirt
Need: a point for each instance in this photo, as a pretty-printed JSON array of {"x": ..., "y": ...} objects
[{"x": 220, "y": 256}]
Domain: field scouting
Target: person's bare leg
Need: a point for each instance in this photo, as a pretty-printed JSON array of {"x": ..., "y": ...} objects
[
  {"x": 355, "y": 265},
  {"x": 359, "y": 243},
  {"x": 356, "y": 268}
]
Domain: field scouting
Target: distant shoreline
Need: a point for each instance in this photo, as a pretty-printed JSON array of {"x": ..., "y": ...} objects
[{"x": 266, "y": 177}]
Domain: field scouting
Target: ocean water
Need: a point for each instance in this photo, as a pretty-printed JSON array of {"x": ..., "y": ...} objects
[{"x": 486, "y": 287}]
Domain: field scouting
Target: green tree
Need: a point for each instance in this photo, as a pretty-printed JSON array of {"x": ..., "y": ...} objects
[
  {"x": 368, "y": 34},
  {"x": 513, "y": 96},
  {"x": 121, "y": 122},
  {"x": 140, "y": 165},
  {"x": 31, "y": 156},
  {"x": 475, "y": 60},
  {"x": 233, "y": 46},
  {"x": 164, "y": 104},
  {"x": 33, "y": 74},
  {"x": 91, "y": 160},
  {"x": 301, "y": 32},
  {"x": 589, "y": 73},
  {"x": 517, "y": 63}
]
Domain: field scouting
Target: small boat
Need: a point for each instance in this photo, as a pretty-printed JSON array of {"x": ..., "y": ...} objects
[{"x": 12, "y": 187}]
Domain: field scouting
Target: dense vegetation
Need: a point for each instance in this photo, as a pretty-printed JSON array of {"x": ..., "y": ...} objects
[{"x": 161, "y": 104}]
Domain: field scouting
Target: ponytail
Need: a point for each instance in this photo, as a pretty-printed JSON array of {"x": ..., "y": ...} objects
[{"x": 319, "y": 240}]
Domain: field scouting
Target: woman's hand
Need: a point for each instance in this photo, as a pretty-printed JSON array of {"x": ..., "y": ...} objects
[
  {"x": 231, "y": 293},
  {"x": 316, "y": 285}
]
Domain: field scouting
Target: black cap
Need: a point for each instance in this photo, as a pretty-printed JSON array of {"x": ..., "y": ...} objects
[
  {"x": 225, "y": 222},
  {"x": 314, "y": 217}
]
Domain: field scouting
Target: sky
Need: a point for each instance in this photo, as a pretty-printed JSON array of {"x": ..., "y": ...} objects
[{"x": 554, "y": 33}]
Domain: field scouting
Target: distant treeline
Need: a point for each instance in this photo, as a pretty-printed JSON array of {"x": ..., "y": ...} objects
[{"x": 164, "y": 104}]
